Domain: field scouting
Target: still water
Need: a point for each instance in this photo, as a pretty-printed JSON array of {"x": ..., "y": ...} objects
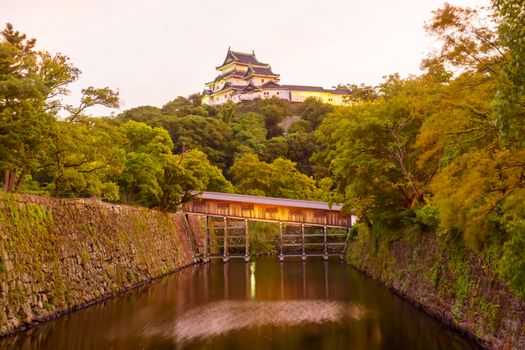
[{"x": 263, "y": 304}]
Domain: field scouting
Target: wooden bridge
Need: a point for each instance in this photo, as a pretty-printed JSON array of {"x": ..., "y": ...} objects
[{"x": 219, "y": 225}]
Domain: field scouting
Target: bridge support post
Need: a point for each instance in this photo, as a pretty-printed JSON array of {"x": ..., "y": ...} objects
[
  {"x": 206, "y": 238},
  {"x": 247, "y": 250},
  {"x": 225, "y": 256},
  {"x": 325, "y": 257},
  {"x": 342, "y": 257},
  {"x": 281, "y": 255},
  {"x": 303, "y": 257}
]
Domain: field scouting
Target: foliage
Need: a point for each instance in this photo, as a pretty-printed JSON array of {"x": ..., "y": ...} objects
[
  {"x": 370, "y": 150},
  {"x": 277, "y": 179},
  {"x": 249, "y": 133},
  {"x": 274, "y": 110},
  {"x": 143, "y": 114},
  {"x": 509, "y": 103},
  {"x": 28, "y": 80},
  {"x": 314, "y": 110},
  {"x": 147, "y": 150},
  {"x": 359, "y": 93},
  {"x": 207, "y": 134},
  {"x": 81, "y": 159},
  {"x": 31, "y": 84},
  {"x": 512, "y": 265}
]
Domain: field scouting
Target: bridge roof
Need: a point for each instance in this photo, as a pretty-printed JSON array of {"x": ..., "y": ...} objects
[{"x": 243, "y": 198}]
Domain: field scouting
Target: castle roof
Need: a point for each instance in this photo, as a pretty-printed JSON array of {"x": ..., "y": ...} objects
[
  {"x": 314, "y": 89},
  {"x": 233, "y": 73},
  {"x": 260, "y": 71},
  {"x": 230, "y": 86},
  {"x": 271, "y": 85},
  {"x": 241, "y": 57},
  {"x": 250, "y": 87}
]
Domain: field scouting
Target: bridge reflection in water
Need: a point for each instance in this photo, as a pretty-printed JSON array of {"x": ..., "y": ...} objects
[{"x": 263, "y": 304}]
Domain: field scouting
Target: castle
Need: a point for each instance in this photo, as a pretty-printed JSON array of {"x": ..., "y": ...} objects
[{"x": 243, "y": 77}]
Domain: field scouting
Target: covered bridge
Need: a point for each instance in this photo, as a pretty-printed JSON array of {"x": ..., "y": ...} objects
[{"x": 269, "y": 209}]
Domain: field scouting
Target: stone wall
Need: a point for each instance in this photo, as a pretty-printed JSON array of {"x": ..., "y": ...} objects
[
  {"x": 57, "y": 255},
  {"x": 454, "y": 284}
]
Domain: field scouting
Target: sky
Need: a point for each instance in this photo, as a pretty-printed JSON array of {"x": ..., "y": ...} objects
[{"x": 153, "y": 51}]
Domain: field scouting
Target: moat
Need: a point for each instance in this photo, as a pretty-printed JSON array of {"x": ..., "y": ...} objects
[{"x": 262, "y": 304}]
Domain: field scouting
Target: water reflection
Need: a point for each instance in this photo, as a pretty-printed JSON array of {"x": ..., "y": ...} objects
[
  {"x": 227, "y": 316},
  {"x": 261, "y": 305}
]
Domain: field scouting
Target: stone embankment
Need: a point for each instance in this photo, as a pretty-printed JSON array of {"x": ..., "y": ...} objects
[
  {"x": 456, "y": 285},
  {"x": 60, "y": 255}
]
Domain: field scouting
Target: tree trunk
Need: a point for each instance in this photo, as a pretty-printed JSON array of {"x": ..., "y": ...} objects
[
  {"x": 5, "y": 180},
  {"x": 19, "y": 181},
  {"x": 11, "y": 182},
  {"x": 8, "y": 181}
]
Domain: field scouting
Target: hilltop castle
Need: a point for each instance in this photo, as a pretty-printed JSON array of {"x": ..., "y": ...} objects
[{"x": 242, "y": 77}]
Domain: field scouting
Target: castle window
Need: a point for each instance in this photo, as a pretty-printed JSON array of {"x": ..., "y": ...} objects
[
  {"x": 262, "y": 80},
  {"x": 277, "y": 92}
]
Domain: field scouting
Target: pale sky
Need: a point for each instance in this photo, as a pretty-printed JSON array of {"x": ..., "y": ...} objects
[{"x": 153, "y": 51}]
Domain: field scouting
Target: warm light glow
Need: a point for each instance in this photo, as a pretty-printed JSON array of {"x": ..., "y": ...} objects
[{"x": 252, "y": 280}]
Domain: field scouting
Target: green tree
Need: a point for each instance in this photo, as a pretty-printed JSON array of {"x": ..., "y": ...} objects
[
  {"x": 143, "y": 114},
  {"x": 186, "y": 173},
  {"x": 147, "y": 151},
  {"x": 30, "y": 81},
  {"x": 370, "y": 153},
  {"x": 182, "y": 106},
  {"x": 314, "y": 110},
  {"x": 359, "y": 93},
  {"x": 81, "y": 158},
  {"x": 249, "y": 133},
  {"x": 31, "y": 85},
  {"x": 274, "y": 110},
  {"x": 207, "y": 134},
  {"x": 278, "y": 179}
]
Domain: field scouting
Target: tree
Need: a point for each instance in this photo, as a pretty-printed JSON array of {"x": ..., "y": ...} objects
[
  {"x": 31, "y": 84},
  {"x": 359, "y": 93},
  {"x": 249, "y": 132},
  {"x": 186, "y": 173},
  {"x": 314, "y": 110},
  {"x": 278, "y": 179},
  {"x": 509, "y": 103},
  {"x": 147, "y": 150},
  {"x": 470, "y": 42},
  {"x": 182, "y": 106},
  {"x": 228, "y": 111},
  {"x": 370, "y": 153},
  {"x": 143, "y": 114},
  {"x": 207, "y": 134},
  {"x": 81, "y": 158},
  {"x": 274, "y": 110},
  {"x": 28, "y": 80},
  {"x": 475, "y": 136}
]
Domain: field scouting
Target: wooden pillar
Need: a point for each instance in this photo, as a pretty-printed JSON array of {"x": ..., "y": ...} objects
[
  {"x": 304, "y": 249},
  {"x": 226, "y": 276},
  {"x": 305, "y": 290},
  {"x": 343, "y": 253},
  {"x": 281, "y": 255},
  {"x": 206, "y": 237},
  {"x": 326, "y": 291},
  {"x": 225, "y": 255},
  {"x": 325, "y": 244},
  {"x": 247, "y": 250}
]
